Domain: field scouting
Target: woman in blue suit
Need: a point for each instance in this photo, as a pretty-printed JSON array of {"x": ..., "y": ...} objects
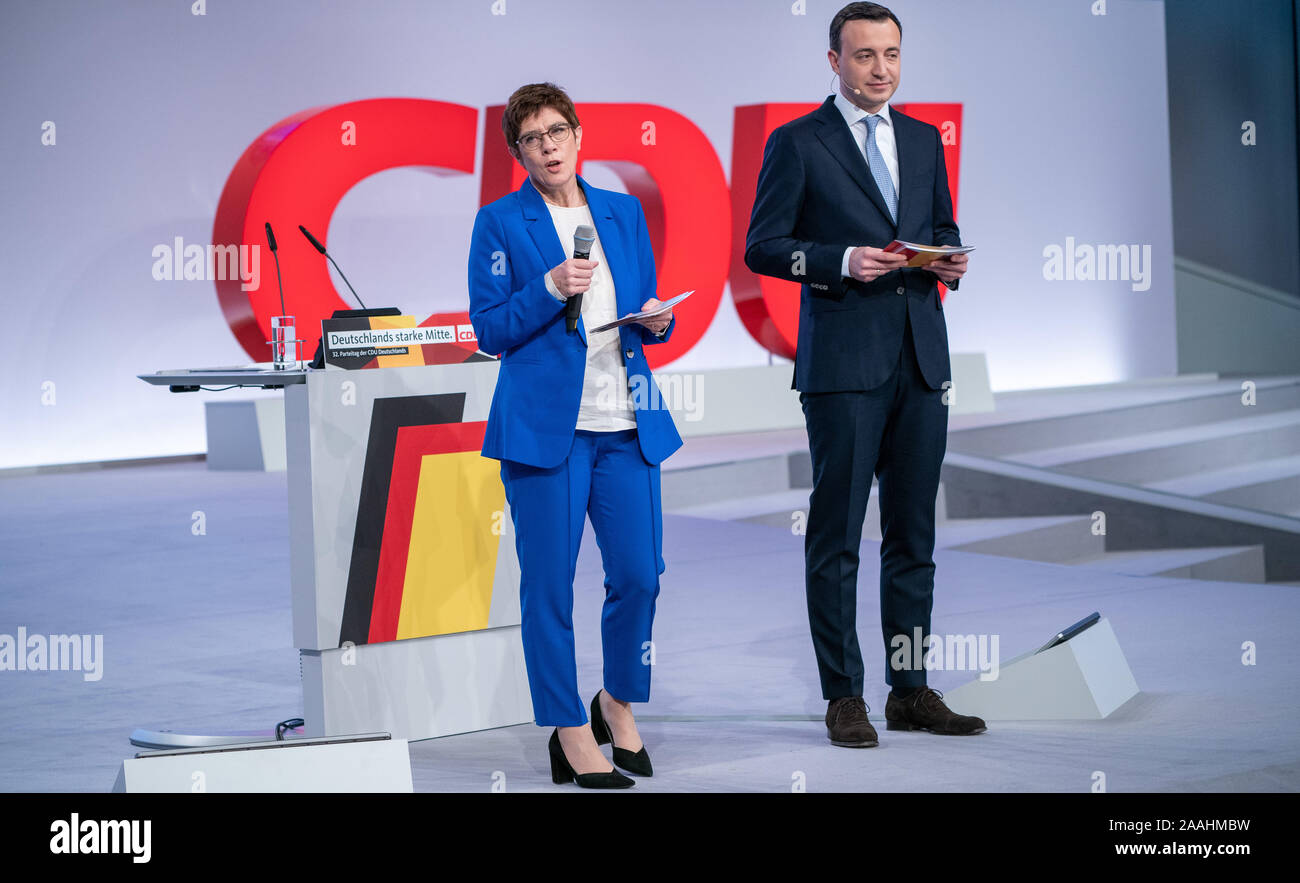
[{"x": 577, "y": 424}]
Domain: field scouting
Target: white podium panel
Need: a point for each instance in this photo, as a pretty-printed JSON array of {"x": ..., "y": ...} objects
[
  {"x": 405, "y": 578},
  {"x": 418, "y": 688}
]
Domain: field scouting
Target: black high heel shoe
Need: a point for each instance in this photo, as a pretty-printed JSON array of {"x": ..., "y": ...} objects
[
  {"x": 562, "y": 773},
  {"x": 638, "y": 763}
]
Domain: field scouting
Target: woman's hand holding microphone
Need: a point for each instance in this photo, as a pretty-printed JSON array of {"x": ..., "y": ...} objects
[{"x": 573, "y": 276}]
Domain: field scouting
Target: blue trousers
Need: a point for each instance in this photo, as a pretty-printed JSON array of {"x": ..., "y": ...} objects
[{"x": 604, "y": 477}]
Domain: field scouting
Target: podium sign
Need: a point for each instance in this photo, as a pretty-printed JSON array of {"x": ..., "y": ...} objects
[{"x": 355, "y": 342}]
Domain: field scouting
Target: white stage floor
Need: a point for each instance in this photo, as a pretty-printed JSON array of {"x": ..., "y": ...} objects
[{"x": 197, "y": 632}]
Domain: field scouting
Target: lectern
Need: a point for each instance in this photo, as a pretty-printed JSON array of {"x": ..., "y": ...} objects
[{"x": 404, "y": 577}]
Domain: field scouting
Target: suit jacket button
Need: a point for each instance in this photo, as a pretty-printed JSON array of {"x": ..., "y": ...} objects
[
  {"x": 630, "y": 354},
  {"x": 901, "y": 290}
]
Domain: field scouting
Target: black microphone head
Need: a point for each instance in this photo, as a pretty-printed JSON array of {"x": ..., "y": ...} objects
[
  {"x": 312, "y": 239},
  {"x": 583, "y": 238},
  {"x": 270, "y": 236}
]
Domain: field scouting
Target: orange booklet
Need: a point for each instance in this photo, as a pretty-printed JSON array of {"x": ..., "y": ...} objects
[{"x": 920, "y": 255}]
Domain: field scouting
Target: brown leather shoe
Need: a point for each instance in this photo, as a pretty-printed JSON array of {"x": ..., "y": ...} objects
[
  {"x": 847, "y": 725},
  {"x": 924, "y": 710}
]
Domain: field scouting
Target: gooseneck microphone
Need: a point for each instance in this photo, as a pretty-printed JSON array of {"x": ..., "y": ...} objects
[
  {"x": 583, "y": 238},
  {"x": 320, "y": 248},
  {"x": 270, "y": 242}
]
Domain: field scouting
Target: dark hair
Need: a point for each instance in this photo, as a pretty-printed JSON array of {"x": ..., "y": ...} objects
[
  {"x": 528, "y": 100},
  {"x": 854, "y": 11}
]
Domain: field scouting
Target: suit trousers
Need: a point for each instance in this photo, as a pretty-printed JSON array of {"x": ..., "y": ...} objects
[
  {"x": 604, "y": 477},
  {"x": 898, "y": 432}
]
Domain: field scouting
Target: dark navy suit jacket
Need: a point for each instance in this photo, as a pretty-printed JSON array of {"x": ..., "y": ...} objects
[
  {"x": 816, "y": 196},
  {"x": 535, "y": 406}
]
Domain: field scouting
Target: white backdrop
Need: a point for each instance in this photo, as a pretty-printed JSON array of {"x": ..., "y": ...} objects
[{"x": 1065, "y": 135}]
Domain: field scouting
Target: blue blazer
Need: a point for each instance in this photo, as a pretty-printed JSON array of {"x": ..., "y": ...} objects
[
  {"x": 535, "y": 407},
  {"x": 816, "y": 196}
]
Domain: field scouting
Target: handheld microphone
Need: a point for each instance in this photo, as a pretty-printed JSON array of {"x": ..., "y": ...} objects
[
  {"x": 583, "y": 238},
  {"x": 320, "y": 248},
  {"x": 270, "y": 241}
]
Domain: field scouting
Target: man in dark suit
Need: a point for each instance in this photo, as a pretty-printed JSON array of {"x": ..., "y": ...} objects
[{"x": 872, "y": 360}]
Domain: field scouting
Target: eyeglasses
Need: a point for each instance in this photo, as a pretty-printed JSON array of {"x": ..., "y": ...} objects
[{"x": 533, "y": 140}]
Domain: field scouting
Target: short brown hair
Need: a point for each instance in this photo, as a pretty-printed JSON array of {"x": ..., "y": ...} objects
[
  {"x": 854, "y": 12},
  {"x": 528, "y": 100}
]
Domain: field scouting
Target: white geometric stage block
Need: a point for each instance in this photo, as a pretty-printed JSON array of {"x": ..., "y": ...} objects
[
  {"x": 758, "y": 398},
  {"x": 971, "y": 392},
  {"x": 1086, "y": 678},
  {"x": 293, "y": 766},
  {"x": 246, "y": 434}
]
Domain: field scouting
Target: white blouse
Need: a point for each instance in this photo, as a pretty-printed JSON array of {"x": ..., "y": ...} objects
[{"x": 605, "y": 406}]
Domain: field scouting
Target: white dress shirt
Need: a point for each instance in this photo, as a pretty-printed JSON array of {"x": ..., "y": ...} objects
[
  {"x": 605, "y": 406},
  {"x": 856, "y": 119}
]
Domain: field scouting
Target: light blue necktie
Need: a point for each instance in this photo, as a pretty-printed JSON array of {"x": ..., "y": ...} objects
[{"x": 879, "y": 170}]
